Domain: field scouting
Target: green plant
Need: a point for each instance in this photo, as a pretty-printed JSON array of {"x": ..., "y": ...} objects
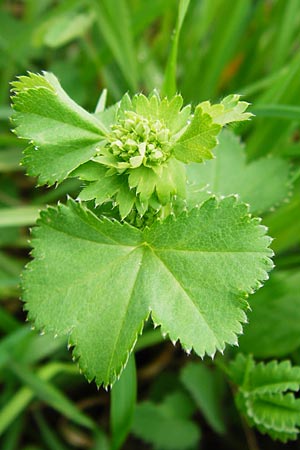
[
  {"x": 135, "y": 250},
  {"x": 156, "y": 203}
]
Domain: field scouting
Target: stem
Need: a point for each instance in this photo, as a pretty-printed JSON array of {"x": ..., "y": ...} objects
[{"x": 250, "y": 435}]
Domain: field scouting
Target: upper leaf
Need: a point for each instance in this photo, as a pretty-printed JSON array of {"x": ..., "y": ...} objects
[
  {"x": 62, "y": 134},
  {"x": 199, "y": 138},
  {"x": 97, "y": 280},
  {"x": 138, "y": 138},
  {"x": 229, "y": 110},
  {"x": 263, "y": 183}
]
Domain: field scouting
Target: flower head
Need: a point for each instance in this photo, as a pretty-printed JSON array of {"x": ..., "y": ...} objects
[
  {"x": 137, "y": 140},
  {"x": 147, "y": 144}
]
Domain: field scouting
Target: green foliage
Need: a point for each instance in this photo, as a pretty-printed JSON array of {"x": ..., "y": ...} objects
[
  {"x": 135, "y": 141},
  {"x": 229, "y": 110},
  {"x": 43, "y": 110},
  {"x": 273, "y": 330},
  {"x": 167, "y": 425},
  {"x": 205, "y": 388},
  {"x": 229, "y": 173},
  {"x": 265, "y": 395},
  {"x": 89, "y": 263},
  {"x": 200, "y": 49}
]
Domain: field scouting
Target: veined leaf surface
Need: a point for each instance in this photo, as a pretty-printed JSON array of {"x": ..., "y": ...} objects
[
  {"x": 229, "y": 173},
  {"x": 97, "y": 280},
  {"x": 62, "y": 134}
]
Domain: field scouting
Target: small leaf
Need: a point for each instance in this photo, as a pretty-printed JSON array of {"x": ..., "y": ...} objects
[
  {"x": 264, "y": 395},
  {"x": 204, "y": 388},
  {"x": 62, "y": 134},
  {"x": 274, "y": 377},
  {"x": 199, "y": 138},
  {"x": 164, "y": 426},
  {"x": 97, "y": 281},
  {"x": 277, "y": 412},
  {"x": 229, "y": 110}
]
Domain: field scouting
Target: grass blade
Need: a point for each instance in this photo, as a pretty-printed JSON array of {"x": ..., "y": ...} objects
[
  {"x": 50, "y": 394},
  {"x": 225, "y": 39},
  {"x": 19, "y": 216},
  {"x": 123, "y": 398},
  {"x": 24, "y": 396},
  {"x": 169, "y": 84},
  {"x": 279, "y": 111},
  {"x": 113, "y": 19},
  {"x": 47, "y": 433},
  {"x": 285, "y": 32}
]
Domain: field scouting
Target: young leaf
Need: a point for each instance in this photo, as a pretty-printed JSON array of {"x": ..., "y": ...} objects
[
  {"x": 199, "y": 138},
  {"x": 264, "y": 395},
  {"x": 229, "y": 110},
  {"x": 97, "y": 280},
  {"x": 229, "y": 173},
  {"x": 275, "y": 412},
  {"x": 62, "y": 134}
]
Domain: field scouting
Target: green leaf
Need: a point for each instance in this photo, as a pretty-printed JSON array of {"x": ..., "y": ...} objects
[
  {"x": 275, "y": 306},
  {"x": 229, "y": 110},
  {"x": 199, "y": 138},
  {"x": 167, "y": 110},
  {"x": 271, "y": 377},
  {"x": 229, "y": 173},
  {"x": 278, "y": 412},
  {"x": 274, "y": 377},
  {"x": 63, "y": 28},
  {"x": 167, "y": 426},
  {"x": 62, "y": 134},
  {"x": 264, "y": 395},
  {"x": 204, "y": 388},
  {"x": 97, "y": 280}
]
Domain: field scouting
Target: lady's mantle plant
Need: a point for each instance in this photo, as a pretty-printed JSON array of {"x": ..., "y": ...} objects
[{"x": 129, "y": 247}]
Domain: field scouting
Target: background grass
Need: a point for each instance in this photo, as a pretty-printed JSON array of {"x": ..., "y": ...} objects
[{"x": 250, "y": 47}]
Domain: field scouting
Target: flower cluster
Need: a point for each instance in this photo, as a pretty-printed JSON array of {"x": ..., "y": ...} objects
[
  {"x": 137, "y": 140},
  {"x": 141, "y": 160}
]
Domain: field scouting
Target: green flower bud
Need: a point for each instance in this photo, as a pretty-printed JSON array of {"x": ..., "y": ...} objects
[{"x": 139, "y": 140}]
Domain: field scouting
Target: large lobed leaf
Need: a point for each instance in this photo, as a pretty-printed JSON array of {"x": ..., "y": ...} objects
[
  {"x": 97, "y": 280},
  {"x": 263, "y": 183},
  {"x": 62, "y": 134}
]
